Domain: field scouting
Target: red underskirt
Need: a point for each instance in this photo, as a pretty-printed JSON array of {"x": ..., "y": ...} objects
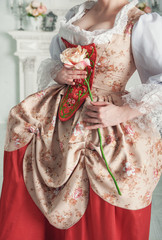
[{"x": 20, "y": 219}]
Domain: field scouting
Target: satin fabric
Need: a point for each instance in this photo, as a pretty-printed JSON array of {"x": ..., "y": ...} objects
[{"x": 21, "y": 219}]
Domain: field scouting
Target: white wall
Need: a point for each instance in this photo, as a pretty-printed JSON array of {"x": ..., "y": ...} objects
[
  {"x": 8, "y": 63},
  {"x": 52, "y": 4},
  {"x": 9, "y": 87}
]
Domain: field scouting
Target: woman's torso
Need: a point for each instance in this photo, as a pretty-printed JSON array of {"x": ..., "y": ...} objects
[{"x": 114, "y": 64}]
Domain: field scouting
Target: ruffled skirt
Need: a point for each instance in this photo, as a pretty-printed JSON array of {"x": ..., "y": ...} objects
[{"x": 21, "y": 219}]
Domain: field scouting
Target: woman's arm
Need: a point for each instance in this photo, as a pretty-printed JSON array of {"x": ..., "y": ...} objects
[
  {"x": 147, "y": 52},
  {"x": 49, "y": 68}
]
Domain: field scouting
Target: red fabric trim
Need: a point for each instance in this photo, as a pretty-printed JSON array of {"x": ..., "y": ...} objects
[
  {"x": 20, "y": 219},
  {"x": 73, "y": 91}
]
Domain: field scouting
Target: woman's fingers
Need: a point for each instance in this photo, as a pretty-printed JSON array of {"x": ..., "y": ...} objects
[
  {"x": 67, "y": 76},
  {"x": 70, "y": 75},
  {"x": 96, "y": 114},
  {"x": 97, "y": 106},
  {"x": 100, "y": 103},
  {"x": 77, "y": 76},
  {"x": 92, "y": 120},
  {"x": 92, "y": 108},
  {"x": 70, "y": 82},
  {"x": 92, "y": 114},
  {"x": 76, "y": 72},
  {"x": 94, "y": 126}
]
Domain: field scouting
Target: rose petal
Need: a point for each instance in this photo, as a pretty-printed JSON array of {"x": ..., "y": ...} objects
[
  {"x": 87, "y": 61},
  {"x": 83, "y": 64},
  {"x": 68, "y": 65}
]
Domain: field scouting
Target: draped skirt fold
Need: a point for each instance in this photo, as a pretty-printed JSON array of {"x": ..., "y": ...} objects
[{"x": 21, "y": 219}]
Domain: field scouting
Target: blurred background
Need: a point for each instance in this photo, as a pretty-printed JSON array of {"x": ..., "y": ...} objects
[{"x": 24, "y": 41}]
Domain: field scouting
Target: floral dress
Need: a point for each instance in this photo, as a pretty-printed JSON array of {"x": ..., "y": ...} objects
[{"x": 57, "y": 174}]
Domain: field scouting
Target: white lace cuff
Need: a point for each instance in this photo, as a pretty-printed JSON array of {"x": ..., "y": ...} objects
[
  {"x": 147, "y": 98},
  {"x": 47, "y": 72}
]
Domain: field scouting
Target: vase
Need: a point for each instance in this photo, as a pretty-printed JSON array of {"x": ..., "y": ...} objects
[{"x": 36, "y": 23}]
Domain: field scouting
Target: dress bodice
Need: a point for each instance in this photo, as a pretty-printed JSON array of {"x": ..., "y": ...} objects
[
  {"x": 114, "y": 63},
  {"x": 112, "y": 67}
]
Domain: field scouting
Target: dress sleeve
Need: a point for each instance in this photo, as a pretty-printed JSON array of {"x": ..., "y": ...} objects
[
  {"x": 49, "y": 67},
  {"x": 147, "y": 53}
]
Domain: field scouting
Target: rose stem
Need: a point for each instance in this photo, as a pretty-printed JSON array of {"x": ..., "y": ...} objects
[{"x": 101, "y": 147}]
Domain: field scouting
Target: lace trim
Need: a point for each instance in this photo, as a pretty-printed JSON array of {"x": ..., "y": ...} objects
[
  {"x": 47, "y": 72},
  {"x": 101, "y": 35},
  {"x": 147, "y": 98}
]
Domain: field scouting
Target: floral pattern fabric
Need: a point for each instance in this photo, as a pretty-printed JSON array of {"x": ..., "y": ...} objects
[{"x": 63, "y": 158}]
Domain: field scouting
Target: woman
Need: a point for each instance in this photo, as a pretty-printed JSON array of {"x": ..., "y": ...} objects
[{"x": 60, "y": 161}]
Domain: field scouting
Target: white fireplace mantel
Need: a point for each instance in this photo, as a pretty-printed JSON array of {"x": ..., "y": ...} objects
[{"x": 32, "y": 48}]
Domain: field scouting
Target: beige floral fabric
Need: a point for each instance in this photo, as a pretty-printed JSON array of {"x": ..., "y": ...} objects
[{"x": 63, "y": 158}]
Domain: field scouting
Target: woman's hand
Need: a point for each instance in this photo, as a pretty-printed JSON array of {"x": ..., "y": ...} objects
[
  {"x": 67, "y": 76},
  {"x": 105, "y": 114}
]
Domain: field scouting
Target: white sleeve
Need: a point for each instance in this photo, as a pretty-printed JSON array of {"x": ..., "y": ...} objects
[
  {"x": 49, "y": 67},
  {"x": 147, "y": 53}
]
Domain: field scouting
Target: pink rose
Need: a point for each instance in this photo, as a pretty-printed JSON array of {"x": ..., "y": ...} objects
[
  {"x": 35, "y": 4},
  {"x": 35, "y": 13},
  {"x": 29, "y": 9},
  {"x": 147, "y": 9},
  {"x": 42, "y": 9},
  {"x": 75, "y": 58}
]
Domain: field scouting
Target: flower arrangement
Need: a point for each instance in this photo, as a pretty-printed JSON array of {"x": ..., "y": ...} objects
[
  {"x": 77, "y": 58},
  {"x": 144, "y": 7},
  {"x": 36, "y": 9}
]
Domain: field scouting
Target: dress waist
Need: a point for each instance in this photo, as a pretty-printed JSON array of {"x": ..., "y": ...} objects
[{"x": 107, "y": 90}]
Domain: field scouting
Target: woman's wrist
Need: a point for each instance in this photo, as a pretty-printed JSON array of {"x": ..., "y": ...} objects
[
  {"x": 56, "y": 79},
  {"x": 129, "y": 113}
]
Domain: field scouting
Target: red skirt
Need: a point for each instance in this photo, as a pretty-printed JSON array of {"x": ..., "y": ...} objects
[{"x": 21, "y": 219}]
